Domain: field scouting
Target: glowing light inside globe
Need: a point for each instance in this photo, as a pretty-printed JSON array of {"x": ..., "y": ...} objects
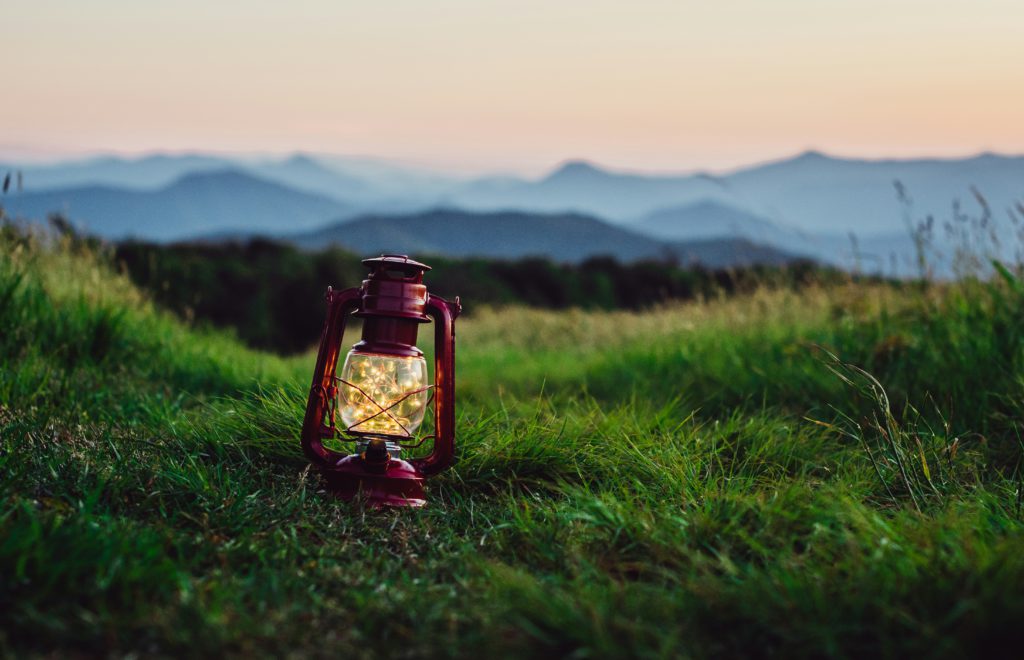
[{"x": 383, "y": 394}]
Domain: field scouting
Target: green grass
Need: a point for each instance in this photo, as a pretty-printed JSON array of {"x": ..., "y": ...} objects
[{"x": 835, "y": 472}]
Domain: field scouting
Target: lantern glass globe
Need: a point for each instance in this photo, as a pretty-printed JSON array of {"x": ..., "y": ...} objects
[{"x": 383, "y": 394}]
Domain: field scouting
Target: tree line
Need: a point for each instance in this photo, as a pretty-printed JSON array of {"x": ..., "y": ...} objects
[{"x": 272, "y": 293}]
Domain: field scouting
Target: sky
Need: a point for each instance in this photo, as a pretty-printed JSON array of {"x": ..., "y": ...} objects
[{"x": 477, "y": 85}]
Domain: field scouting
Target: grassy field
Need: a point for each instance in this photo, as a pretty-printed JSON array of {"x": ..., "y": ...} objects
[{"x": 834, "y": 473}]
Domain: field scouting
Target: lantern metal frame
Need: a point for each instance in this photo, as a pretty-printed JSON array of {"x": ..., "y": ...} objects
[{"x": 392, "y": 302}]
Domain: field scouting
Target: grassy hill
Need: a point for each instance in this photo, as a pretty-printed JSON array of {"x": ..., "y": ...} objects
[{"x": 834, "y": 472}]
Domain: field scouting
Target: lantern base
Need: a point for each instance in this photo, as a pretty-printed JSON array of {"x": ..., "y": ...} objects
[{"x": 399, "y": 485}]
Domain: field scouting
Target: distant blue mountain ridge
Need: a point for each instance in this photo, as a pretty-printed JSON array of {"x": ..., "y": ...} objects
[
  {"x": 562, "y": 237},
  {"x": 194, "y": 204},
  {"x": 809, "y": 204}
]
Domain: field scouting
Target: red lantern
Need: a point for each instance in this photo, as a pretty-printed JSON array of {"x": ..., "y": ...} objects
[{"x": 382, "y": 393}]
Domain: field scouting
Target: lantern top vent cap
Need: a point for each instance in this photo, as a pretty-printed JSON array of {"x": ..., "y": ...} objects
[{"x": 398, "y": 262}]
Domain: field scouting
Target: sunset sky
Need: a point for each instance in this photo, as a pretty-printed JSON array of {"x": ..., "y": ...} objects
[{"x": 518, "y": 86}]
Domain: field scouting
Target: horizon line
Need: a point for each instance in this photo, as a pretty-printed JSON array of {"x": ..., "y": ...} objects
[{"x": 419, "y": 164}]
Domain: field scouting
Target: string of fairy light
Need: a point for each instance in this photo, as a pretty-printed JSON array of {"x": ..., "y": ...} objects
[{"x": 383, "y": 394}]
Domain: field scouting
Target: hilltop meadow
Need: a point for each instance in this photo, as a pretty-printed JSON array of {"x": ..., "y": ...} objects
[{"x": 832, "y": 469}]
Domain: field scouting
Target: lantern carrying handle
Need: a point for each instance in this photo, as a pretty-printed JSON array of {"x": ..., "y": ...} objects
[
  {"x": 444, "y": 313},
  {"x": 339, "y": 305}
]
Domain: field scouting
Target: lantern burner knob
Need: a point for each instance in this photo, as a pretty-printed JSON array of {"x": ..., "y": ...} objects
[{"x": 377, "y": 454}]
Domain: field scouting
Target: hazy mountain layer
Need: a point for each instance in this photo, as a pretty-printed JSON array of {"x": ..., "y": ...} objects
[
  {"x": 144, "y": 173},
  {"x": 714, "y": 220},
  {"x": 810, "y": 204},
  {"x": 221, "y": 201},
  {"x": 811, "y": 193},
  {"x": 562, "y": 237},
  {"x": 370, "y": 181},
  {"x": 710, "y": 219}
]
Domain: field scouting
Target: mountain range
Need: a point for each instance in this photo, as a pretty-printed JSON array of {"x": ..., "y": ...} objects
[
  {"x": 225, "y": 200},
  {"x": 810, "y": 204},
  {"x": 563, "y": 237},
  {"x": 811, "y": 192}
]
